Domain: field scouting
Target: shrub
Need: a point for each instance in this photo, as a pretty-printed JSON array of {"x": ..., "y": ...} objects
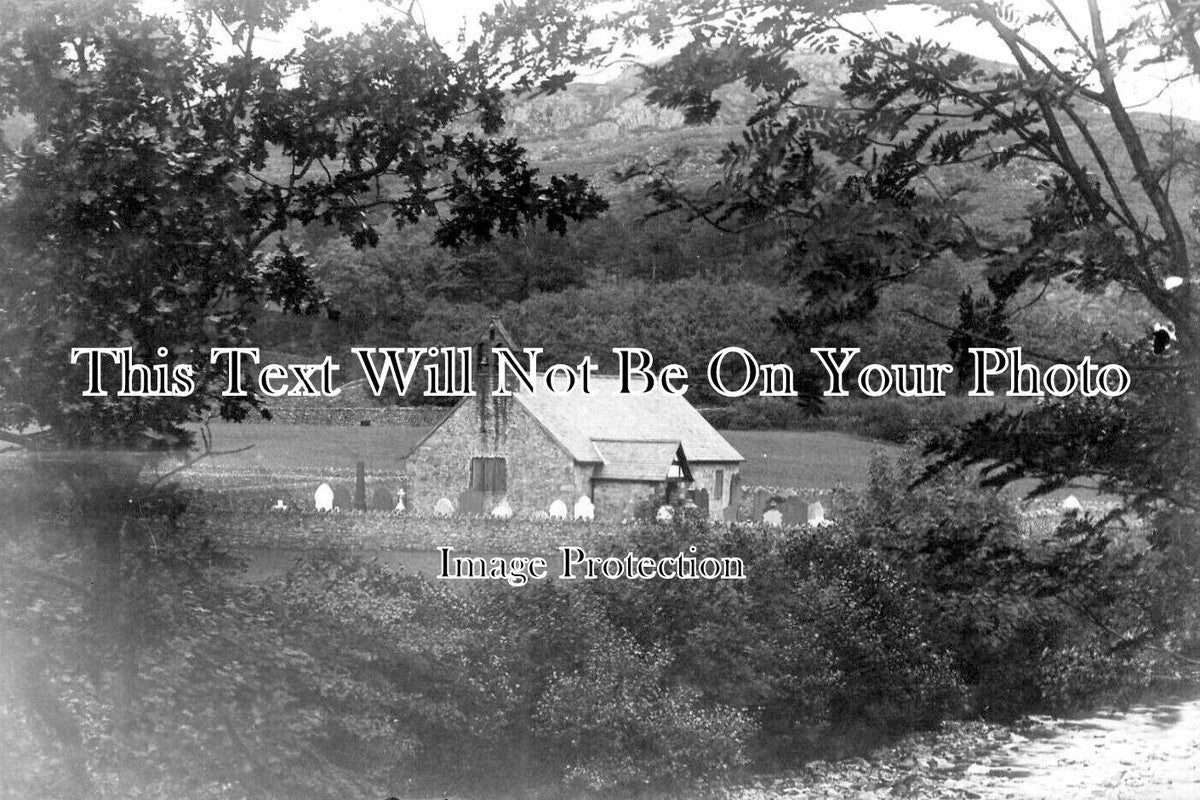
[
  {"x": 1047, "y": 621},
  {"x": 823, "y": 644},
  {"x": 620, "y": 724}
]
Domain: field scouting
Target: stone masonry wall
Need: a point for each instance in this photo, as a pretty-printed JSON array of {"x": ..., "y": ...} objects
[
  {"x": 539, "y": 470},
  {"x": 704, "y": 476},
  {"x": 619, "y": 500}
]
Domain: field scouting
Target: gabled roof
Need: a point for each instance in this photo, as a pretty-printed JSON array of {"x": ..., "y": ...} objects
[
  {"x": 636, "y": 461},
  {"x": 494, "y": 334},
  {"x": 580, "y": 421}
]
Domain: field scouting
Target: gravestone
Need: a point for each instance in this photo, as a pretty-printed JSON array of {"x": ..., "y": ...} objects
[
  {"x": 279, "y": 506},
  {"x": 343, "y": 500},
  {"x": 382, "y": 500},
  {"x": 665, "y": 514},
  {"x": 541, "y": 516},
  {"x": 323, "y": 497},
  {"x": 735, "y": 498},
  {"x": 444, "y": 508},
  {"x": 794, "y": 512},
  {"x": 502, "y": 510},
  {"x": 360, "y": 486},
  {"x": 760, "y": 503},
  {"x": 470, "y": 502},
  {"x": 816, "y": 515},
  {"x": 772, "y": 518},
  {"x": 558, "y": 510},
  {"x": 585, "y": 511},
  {"x": 1072, "y": 504},
  {"x": 701, "y": 501},
  {"x": 400, "y": 507}
]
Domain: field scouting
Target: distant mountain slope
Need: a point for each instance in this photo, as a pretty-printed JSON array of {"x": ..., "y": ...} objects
[{"x": 595, "y": 128}]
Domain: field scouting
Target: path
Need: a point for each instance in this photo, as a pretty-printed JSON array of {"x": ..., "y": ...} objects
[
  {"x": 1147, "y": 753},
  {"x": 1142, "y": 753}
]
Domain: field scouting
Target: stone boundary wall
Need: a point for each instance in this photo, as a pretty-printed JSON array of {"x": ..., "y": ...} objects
[
  {"x": 403, "y": 416},
  {"x": 382, "y": 531},
  {"x": 375, "y": 530}
]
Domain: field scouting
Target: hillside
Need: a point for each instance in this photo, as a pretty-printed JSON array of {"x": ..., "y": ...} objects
[
  {"x": 556, "y": 290},
  {"x": 593, "y": 129}
]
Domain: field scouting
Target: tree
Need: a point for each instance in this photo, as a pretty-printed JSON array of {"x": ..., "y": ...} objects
[
  {"x": 153, "y": 204},
  {"x": 867, "y": 191},
  {"x": 982, "y": 322}
]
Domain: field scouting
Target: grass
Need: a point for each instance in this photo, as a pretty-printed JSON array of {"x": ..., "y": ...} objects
[
  {"x": 805, "y": 459},
  {"x": 773, "y": 458},
  {"x": 297, "y": 457},
  {"x": 278, "y": 449}
]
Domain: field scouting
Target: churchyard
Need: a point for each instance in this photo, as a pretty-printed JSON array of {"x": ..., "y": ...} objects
[
  {"x": 259, "y": 498},
  {"x": 773, "y": 458},
  {"x": 287, "y": 462}
]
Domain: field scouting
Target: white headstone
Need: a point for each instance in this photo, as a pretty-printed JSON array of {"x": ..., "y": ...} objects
[
  {"x": 1072, "y": 504},
  {"x": 502, "y": 510},
  {"x": 444, "y": 508},
  {"x": 558, "y": 510},
  {"x": 541, "y": 516},
  {"x": 772, "y": 518},
  {"x": 665, "y": 514},
  {"x": 323, "y": 497},
  {"x": 816, "y": 515},
  {"x": 279, "y": 506},
  {"x": 584, "y": 510},
  {"x": 400, "y": 501}
]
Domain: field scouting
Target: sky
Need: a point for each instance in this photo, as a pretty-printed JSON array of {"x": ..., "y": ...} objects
[{"x": 1145, "y": 89}]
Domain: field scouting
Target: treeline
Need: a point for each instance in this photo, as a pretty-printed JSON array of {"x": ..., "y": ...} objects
[{"x": 680, "y": 288}]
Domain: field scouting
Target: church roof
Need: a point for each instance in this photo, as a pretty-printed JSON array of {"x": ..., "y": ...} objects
[
  {"x": 588, "y": 425},
  {"x": 636, "y": 461}
]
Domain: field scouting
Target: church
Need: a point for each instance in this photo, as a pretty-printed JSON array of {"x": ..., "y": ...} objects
[{"x": 624, "y": 452}]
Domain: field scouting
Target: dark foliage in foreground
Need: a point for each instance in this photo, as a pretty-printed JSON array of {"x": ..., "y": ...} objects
[{"x": 345, "y": 678}]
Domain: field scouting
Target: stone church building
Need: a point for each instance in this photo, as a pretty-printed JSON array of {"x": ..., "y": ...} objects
[{"x": 532, "y": 448}]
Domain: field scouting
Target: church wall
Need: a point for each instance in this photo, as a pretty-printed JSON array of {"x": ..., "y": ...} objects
[
  {"x": 539, "y": 470},
  {"x": 704, "y": 476},
  {"x": 618, "y": 500}
]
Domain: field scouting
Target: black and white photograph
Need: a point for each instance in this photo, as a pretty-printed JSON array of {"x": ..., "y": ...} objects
[{"x": 599, "y": 399}]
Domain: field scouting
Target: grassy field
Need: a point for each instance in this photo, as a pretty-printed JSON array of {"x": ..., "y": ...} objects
[
  {"x": 773, "y": 458},
  {"x": 805, "y": 459},
  {"x": 288, "y": 461},
  {"x": 297, "y": 457},
  {"x": 307, "y": 449}
]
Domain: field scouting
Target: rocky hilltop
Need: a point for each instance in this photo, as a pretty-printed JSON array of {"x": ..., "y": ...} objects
[{"x": 602, "y": 111}]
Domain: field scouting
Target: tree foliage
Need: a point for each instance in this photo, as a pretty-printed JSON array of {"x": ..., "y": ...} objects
[
  {"x": 151, "y": 205},
  {"x": 867, "y": 190}
]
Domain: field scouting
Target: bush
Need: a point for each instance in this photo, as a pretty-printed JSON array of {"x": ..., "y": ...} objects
[
  {"x": 1048, "y": 621},
  {"x": 824, "y": 645},
  {"x": 550, "y": 691},
  {"x": 346, "y": 678},
  {"x": 620, "y": 724}
]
